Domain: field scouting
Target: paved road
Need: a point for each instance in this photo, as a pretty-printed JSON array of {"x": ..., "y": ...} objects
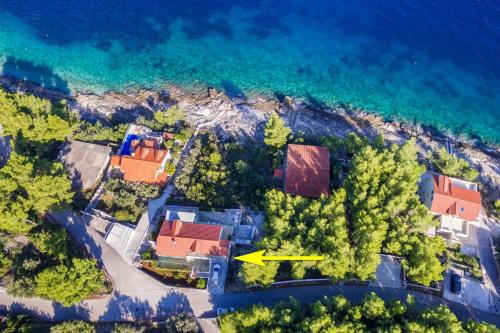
[
  {"x": 489, "y": 264},
  {"x": 138, "y": 296}
]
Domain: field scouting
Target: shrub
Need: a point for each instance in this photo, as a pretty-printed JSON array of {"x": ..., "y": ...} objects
[
  {"x": 73, "y": 326},
  {"x": 5, "y": 263},
  {"x": 170, "y": 168},
  {"x": 182, "y": 323},
  {"x": 126, "y": 328},
  {"x": 169, "y": 144},
  {"x": 452, "y": 165},
  {"x": 69, "y": 285},
  {"x": 149, "y": 254},
  {"x": 201, "y": 284},
  {"x": 124, "y": 216}
]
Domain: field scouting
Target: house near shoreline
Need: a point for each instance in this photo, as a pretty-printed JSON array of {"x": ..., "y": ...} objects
[
  {"x": 187, "y": 239},
  {"x": 141, "y": 158},
  {"x": 456, "y": 202},
  {"x": 193, "y": 239},
  {"x": 306, "y": 171}
]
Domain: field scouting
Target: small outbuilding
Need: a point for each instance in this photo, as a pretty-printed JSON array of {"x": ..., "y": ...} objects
[{"x": 85, "y": 161}]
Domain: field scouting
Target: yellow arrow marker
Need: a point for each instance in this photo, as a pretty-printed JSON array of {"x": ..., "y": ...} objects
[{"x": 258, "y": 258}]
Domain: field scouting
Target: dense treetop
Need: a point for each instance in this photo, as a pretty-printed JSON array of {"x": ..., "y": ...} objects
[
  {"x": 34, "y": 122},
  {"x": 337, "y": 314},
  {"x": 376, "y": 210},
  {"x": 276, "y": 133},
  {"x": 299, "y": 226},
  {"x": 70, "y": 284},
  {"x": 32, "y": 184},
  {"x": 30, "y": 187},
  {"x": 453, "y": 166}
]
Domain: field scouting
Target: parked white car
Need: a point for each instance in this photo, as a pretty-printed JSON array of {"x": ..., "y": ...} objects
[{"x": 215, "y": 273}]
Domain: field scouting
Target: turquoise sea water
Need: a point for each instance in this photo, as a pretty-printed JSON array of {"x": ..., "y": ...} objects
[{"x": 432, "y": 62}]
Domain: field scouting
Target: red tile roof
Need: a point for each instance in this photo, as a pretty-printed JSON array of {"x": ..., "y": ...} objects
[
  {"x": 179, "y": 239},
  {"x": 450, "y": 199},
  {"x": 145, "y": 163},
  {"x": 168, "y": 136},
  {"x": 307, "y": 171}
]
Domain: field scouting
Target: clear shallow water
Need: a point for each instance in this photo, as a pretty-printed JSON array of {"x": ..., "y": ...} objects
[{"x": 435, "y": 62}]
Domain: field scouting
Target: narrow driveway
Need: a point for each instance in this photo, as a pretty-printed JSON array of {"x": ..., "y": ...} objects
[{"x": 488, "y": 262}]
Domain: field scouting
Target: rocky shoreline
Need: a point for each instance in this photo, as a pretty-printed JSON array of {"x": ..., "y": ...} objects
[{"x": 244, "y": 120}]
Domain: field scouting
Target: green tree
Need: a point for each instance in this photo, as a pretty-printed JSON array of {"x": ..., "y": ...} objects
[
  {"x": 33, "y": 187},
  {"x": 496, "y": 208},
  {"x": 384, "y": 208},
  {"x": 72, "y": 327},
  {"x": 439, "y": 319},
  {"x": 22, "y": 324},
  {"x": 92, "y": 132},
  {"x": 171, "y": 116},
  {"x": 365, "y": 186},
  {"x": 476, "y": 327},
  {"x": 33, "y": 121},
  {"x": 263, "y": 275},
  {"x": 275, "y": 132},
  {"x": 299, "y": 226},
  {"x": 337, "y": 315},
  {"x": 181, "y": 323},
  {"x": 204, "y": 176},
  {"x": 51, "y": 242},
  {"x": 69, "y": 285},
  {"x": 422, "y": 264},
  {"x": 452, "y": 165},
  {"x": 5, "y": 262}
]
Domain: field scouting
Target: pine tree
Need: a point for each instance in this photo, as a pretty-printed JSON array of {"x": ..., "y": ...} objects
[
  {"x": 452, "y": 165},
  {"x": 275, "y": 132},
  {"x": 33, "y": 121},
  {"x": 69, "y": 285}
]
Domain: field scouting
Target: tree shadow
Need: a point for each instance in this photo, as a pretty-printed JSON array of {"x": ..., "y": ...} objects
[
  {"x": 39, "y": 74},
  {"x": 19, "y": 308},
  {"x": 232, "y": 90},
  {"x": 174, "y": 302},
  {"x": 314, "y": 102},
  {"x": 79, "y": 311},
  {"x": 77, "y": 230},
  {"x": 122, "y": 307}
]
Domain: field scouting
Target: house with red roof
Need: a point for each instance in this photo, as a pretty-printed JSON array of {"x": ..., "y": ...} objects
[
  {"x": 141, "y": 159},
  {"x": 307, "y": 171},
  {"x": 188, "y": 239},
  {"x": 456, "y": 202}
]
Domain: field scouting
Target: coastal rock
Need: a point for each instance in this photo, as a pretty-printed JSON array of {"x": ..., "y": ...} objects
[{"x": 244, "y": 119}]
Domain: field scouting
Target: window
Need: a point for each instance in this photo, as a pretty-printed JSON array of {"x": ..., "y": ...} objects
[{"x": 462, "y": 209}]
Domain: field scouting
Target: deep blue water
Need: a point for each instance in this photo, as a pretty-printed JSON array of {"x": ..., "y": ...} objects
[{"x": 434, "y": 62}]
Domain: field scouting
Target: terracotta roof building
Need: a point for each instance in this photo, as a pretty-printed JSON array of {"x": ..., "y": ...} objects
[
  {"x": 143, "y": 161},
  {"x": 455, "y": 200},
  {"x": 307, "y": 171},
  {"x": 182, "y": 239}
]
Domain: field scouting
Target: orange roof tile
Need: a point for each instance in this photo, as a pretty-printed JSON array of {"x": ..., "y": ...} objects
[
  {"x": 450, "y": 199},
  {"x": 144, "y": 165},
  {"x": 179, "y": 239},
  {"x": 307, "y": 171},
  {"x": 168, "y": 136}
]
